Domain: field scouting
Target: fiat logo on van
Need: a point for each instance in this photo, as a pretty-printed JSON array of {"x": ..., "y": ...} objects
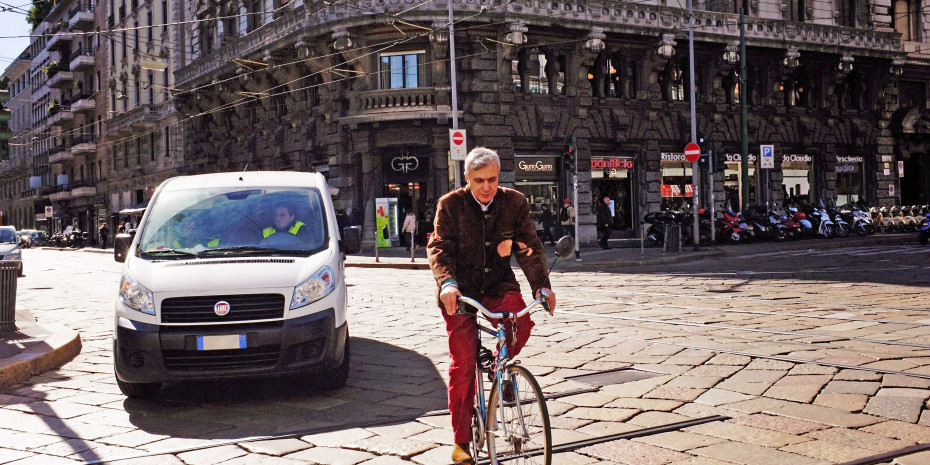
[{"x": 221, "y": 308}]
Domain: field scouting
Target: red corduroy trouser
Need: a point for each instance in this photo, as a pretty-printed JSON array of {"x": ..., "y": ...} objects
[{"x": 463, "y": 349}]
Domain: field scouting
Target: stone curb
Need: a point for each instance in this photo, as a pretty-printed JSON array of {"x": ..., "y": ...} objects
[{"x": 54, "y": 351}]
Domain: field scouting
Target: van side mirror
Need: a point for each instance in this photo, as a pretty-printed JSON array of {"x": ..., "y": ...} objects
[
  {"x": 121, "y": 243},
  {"x": 351, "y": 240}
]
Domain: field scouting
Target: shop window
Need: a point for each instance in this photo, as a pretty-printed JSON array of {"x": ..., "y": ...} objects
[
  {"x": 906, "y": 17},
  {"x": 404, "y": 70},
  {"x": 606, "y": 76}
]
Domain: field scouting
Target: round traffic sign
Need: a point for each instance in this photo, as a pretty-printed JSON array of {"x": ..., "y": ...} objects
[
  {"x": 458, "y": 138},
  {"x": 692, "y": 152}
]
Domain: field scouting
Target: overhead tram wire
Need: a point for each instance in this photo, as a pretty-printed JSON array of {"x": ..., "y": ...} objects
[{"x": 248, "y": 99}]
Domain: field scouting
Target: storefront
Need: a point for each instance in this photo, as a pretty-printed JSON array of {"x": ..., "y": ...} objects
[
  {"x": 797, "y": 173},
  {"x": 537, "y": 177},
  {"x": 613, "y": 177},
  {"x": 850, "y": 180},
  {"x": 677, "y": 190},
  {"x": 405, "y": 178}
]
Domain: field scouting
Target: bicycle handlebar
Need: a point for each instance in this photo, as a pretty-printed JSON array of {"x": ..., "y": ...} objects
[{"x": 543, "y": 299}]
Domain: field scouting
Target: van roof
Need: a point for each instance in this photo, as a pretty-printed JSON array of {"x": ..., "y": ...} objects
[{"x": 247, "y": 179}]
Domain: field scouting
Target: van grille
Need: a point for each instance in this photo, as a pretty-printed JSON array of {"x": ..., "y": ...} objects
[
  {"x": 213, "y": 360},
  {"x": 199, "y": 309}
]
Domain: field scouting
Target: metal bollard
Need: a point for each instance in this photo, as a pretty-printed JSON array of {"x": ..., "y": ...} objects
[{"x": 9, "y": 273}]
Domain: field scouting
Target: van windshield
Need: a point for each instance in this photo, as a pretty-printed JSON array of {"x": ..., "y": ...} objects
[{"x": 226, "y": 221}]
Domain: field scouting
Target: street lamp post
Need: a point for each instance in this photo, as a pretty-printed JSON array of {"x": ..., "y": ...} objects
[
  {"x": 743, "y": 109},
  {"x": 695, "y": 198}
]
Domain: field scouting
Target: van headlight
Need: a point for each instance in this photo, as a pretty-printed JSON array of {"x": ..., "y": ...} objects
[
  {"x": 136, "y": 296},
  {"x": 315, "y": 288}
]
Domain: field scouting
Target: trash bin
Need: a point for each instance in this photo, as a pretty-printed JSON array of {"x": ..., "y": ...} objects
[
  {"x": 9, "y": 272},
  {"x": 673, "y": 238}
]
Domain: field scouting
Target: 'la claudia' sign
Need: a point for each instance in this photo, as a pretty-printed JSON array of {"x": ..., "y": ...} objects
[{"x": 535, "y": 167}]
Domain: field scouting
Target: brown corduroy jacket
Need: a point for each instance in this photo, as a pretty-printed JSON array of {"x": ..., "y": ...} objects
[{"x": 473, "y": 247}]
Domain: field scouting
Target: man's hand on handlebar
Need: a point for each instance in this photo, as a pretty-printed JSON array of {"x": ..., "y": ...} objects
[
  {"x": 449, "y": 298},
  {"x": 549, "y": 302}
]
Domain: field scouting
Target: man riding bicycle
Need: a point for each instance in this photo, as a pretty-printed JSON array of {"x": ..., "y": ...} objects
[{"x": 477, "y": 229}]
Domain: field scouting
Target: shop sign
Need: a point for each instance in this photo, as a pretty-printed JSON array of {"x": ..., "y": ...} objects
[
  {"x": 673, "y": 157},
  {"x": 403, "y": 167},
  {"x": 849, "y": 160},
  {"x": 847, "y": 168},
  {"x": 535, "y": 168},
  {"x": 900, "y": 169},
  {"x": 611, "y": 164},
  {"x": 797, "y": 158},
  {"x": 736, "y": 157},
  {"x": 674, "y": 190}
]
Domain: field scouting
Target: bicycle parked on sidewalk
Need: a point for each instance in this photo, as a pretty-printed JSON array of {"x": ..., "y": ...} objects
[{"x": 510, "y": 422}]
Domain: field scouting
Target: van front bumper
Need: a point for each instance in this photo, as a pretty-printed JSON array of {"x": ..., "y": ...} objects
[{"x": 146, "y": 353}]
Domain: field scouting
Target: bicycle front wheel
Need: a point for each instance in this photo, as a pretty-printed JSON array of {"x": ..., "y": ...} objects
[{"x": 518, "y": 428}]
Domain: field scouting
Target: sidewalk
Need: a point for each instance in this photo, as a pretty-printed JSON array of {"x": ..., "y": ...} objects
[{"x": 32, "y": 350}]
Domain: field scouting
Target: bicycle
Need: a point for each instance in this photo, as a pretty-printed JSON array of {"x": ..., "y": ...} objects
[{"x": 515, "y": 421}]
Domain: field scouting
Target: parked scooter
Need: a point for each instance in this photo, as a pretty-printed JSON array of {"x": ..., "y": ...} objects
[
  {"x": 883, "y": 222},
  {"x": 728, "y": 227},
  {"x": 924, "y": 228},
  {"x": 858, "y": 217},
  {"x": 841, "y": 227},
  {"x": 765, "y": 223}
]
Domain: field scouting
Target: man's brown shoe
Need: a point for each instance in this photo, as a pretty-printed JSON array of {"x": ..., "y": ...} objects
[{"x": 461, "y": 454}]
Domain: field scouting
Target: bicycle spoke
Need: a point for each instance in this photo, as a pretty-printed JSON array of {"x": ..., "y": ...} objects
[{"x": 521, "y": 433}]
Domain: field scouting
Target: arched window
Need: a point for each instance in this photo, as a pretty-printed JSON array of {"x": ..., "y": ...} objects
[
  {"x": 796, "y": 89},
  {"x": 673, "y": 82},
  {"x": 606, "y": 76},
  {"x": 730, "y": 86}
]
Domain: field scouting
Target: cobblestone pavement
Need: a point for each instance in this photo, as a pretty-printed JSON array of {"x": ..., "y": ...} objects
[{"x": 814, "y": 357}]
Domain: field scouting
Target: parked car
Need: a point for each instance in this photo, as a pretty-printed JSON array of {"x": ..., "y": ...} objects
[
  {"x": 214, "y": 287},
  {"x": 9, "y": 246}
]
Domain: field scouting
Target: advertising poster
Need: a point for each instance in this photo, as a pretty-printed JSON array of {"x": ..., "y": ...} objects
[{"x": 382, "y": 222}]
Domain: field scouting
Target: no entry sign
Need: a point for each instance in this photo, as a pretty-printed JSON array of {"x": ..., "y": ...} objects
[
  {"x": 457, "y": 144},
  {"x": 692, "y": 152}
]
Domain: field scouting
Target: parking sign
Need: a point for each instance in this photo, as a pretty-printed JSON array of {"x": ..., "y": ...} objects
[
  {"x": 767, "y": 159},
  {"x": 48, "y": 212}
]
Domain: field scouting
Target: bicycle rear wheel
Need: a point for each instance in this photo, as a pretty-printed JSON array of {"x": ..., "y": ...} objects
[{"x": 519, "y": 433}]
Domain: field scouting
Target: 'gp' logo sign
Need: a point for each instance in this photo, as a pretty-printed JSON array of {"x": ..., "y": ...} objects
[{"x": 405, "y": 163}]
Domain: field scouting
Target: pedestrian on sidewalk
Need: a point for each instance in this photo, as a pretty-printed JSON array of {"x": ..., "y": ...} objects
[
  {"x": 477, "y": 229},
  {"x": 104, "y": 231},
  {"x": 548, "y": 222},
  {"x": 567, "y": 218},
  {"x": 603, "y": 223},
  {"x": 408, "y": 230}
]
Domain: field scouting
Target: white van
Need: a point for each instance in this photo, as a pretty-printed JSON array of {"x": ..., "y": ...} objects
[{"x": 233, "y": 275}]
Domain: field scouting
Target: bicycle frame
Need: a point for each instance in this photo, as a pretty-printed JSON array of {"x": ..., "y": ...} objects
[{"x": 501, "y": 362}]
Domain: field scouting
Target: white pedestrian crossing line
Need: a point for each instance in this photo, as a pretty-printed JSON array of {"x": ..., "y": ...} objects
[{"x": 862, "y": 251}]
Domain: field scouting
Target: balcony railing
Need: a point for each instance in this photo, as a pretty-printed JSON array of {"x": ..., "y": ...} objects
[
  {"x": 81, "y": 58},
  {"x": 399, "y": 104},
  {"x": 84, "y": 143},
  {"x": 81, "y": 15},
  {"x": 83, "y": 188},
  {"x": 141, "y": 116}
]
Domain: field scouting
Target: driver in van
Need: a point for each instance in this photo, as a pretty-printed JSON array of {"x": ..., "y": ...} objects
[{"x": 285, "y": 221}]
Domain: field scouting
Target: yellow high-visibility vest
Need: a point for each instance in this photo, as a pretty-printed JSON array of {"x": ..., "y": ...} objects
[
  {"x": 293, "y": 229},
  {"x": 212, "y": 243}
]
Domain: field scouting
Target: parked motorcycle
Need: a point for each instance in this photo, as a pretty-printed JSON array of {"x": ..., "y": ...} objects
[
  {"x": 765, "y": 223},
  {"x": 728, "y": 227},
  {"x": 924, "y": 227},
  {"x": 858, "y": 217},
  {"x": 883, "y": 222},
  {"x": 841, "y": 226}
]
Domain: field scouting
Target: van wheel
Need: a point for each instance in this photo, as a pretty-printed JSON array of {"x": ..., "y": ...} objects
[
  {"x": 137, "y": 390},
  {"x": 335, "y": 378}
]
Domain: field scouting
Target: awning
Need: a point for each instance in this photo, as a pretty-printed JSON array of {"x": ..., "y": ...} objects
[{"x": 136, "y": 209}]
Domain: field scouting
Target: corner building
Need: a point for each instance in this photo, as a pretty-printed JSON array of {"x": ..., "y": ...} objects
[{"x": 360, "y": 91}]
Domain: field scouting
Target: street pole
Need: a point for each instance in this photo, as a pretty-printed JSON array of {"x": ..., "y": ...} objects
[
  {"x": 575, "y": 203},
  {"x": 710, "y": 175},
  {"x": 743, "y": 111},
  {"x": 695, "y": 198},
  {"x": 455, "y": 96}
]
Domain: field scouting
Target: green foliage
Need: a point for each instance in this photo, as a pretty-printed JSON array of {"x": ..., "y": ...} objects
[{"x": 39, "y": 10}]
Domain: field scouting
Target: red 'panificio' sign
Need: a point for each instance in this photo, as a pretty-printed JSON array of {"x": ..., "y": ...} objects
[{"x": 692, "y": 152}]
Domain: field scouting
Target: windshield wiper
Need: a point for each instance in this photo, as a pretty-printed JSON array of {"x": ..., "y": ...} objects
[
  {"x": 177, "y": 253},
  {"x": 251, "y": 249}
]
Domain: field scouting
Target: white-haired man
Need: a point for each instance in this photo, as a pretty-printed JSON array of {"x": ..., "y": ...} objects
[{"x": 477, "y": 228}]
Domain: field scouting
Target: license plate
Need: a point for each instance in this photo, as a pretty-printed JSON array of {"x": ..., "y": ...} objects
[{"x": 224, "y": 342}]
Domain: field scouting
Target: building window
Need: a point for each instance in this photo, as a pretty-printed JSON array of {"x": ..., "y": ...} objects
[
  {"x": 797, "y": 10},
  {"x": 135, "y": 88},
  {"x": 151, "y": 89},
  {"x": 673, "y": 82},
  {"x": 112, "y": 53},
  {"x": 135, "y": 36},
  {"x": 606, "y": 76},
  {"x": 152, "y": 145},
  {"x": 403, "y": 70},
  {"x": 207, "y": 35},
  {"x": 151, "y": 28},
  {"x": 254, "y": 11},
  {"x": 164, "y": 16},
  {"x": 731, "y": 87},
  {"x": 123, "y": 43},
  {"x": 906, "y": 17},
  {"x": 537, "y": 81},
  {"x": 796, "y": 89},
  {"x": 167, "y": 142}
]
